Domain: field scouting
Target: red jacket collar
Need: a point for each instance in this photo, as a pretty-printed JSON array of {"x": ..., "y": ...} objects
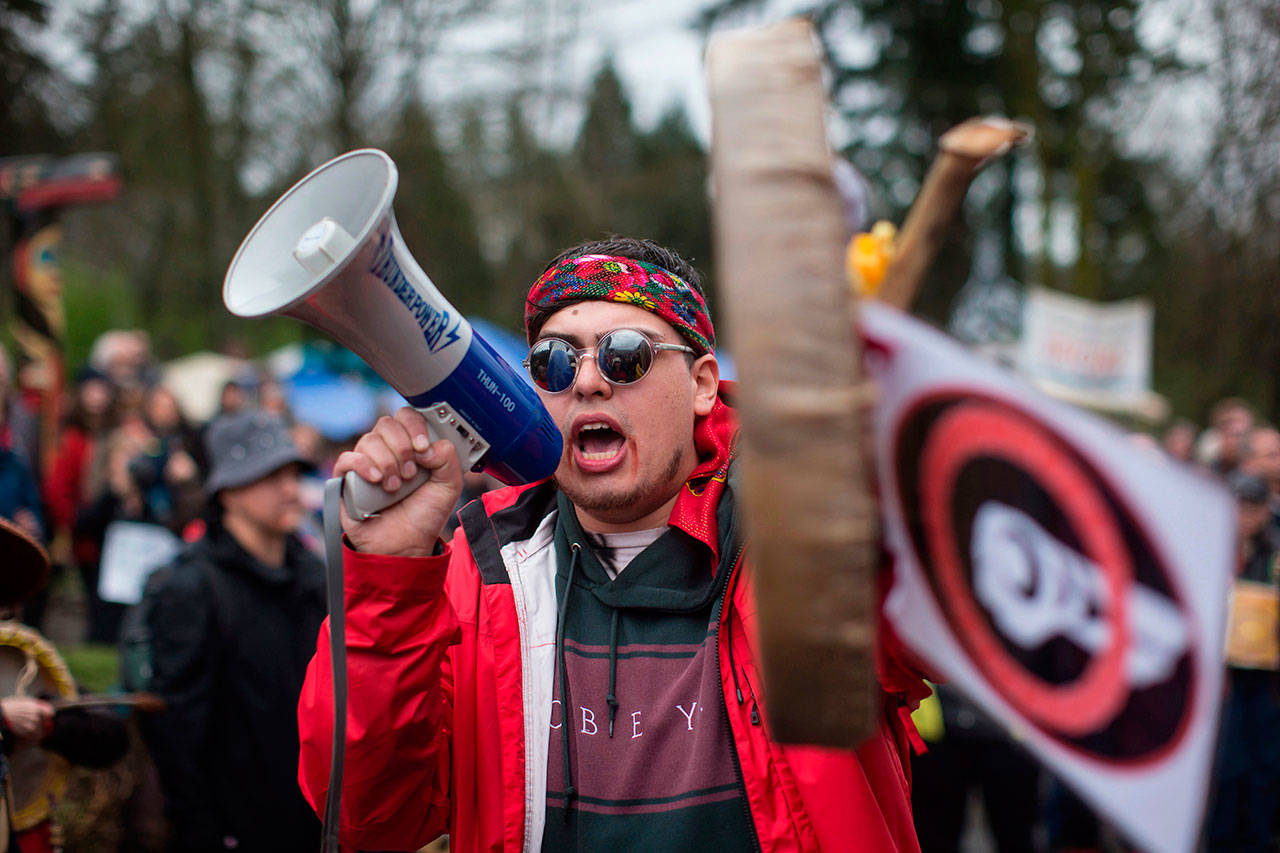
[{"x": 715, "y": 437}]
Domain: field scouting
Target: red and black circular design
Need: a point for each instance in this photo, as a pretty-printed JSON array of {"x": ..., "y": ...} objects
[{"x": 956, "y": 452}]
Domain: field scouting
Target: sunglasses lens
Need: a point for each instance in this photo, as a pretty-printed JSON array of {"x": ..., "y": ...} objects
[
  {"x": 552, "y": 365},
  {"x": 624, "y": 356}
]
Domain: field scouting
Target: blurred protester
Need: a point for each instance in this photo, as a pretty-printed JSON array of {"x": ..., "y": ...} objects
[
  {"x": 1247, "y": 775},
  {"x": 1179, "y": 440},
  {"x": 65, "y": 486},
  {"x": 1260, "y": 455},
  {"x": 235, "y": 396},
  {"x": 163, "y": 415},
  {"x": 312, "y": 447},
  {"x": 141, "y": 482},
  {"x": 19, "y": 495},
  {"x": 124, "y": 355},
  {"x": 272, "y": 399},
  {"x": 1230, "y": 420},
  {"x": 971, "y": 754},
  {"x": 19, "y": 422},
  {"x": 233, "y": 625},
  {"x": 318, "y": 458},
  {"x": 233, "y": 399},
  {"x": 91, "y": 418},
  {"x": 20, "y": 499}
]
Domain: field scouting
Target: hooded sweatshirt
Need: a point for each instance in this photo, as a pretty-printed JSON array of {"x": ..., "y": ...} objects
[{"x": 643, "y": 758}]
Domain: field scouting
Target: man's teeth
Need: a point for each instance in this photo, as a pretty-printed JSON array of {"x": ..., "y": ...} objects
[{"x": 601, "y": 454}]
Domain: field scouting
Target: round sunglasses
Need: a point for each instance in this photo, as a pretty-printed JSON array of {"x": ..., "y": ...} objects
[{"x": 623, "y": 356}]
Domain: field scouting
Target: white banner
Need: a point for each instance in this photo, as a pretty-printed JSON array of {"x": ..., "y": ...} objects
[
  {"x": 1068, "y": 582},
  {"x": 131, "y": 551}
]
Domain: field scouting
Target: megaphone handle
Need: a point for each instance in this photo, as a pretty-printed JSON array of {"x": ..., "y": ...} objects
[{"x": 364, "y": 499}]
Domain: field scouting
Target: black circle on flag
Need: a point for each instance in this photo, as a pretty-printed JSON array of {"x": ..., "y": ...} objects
[{"x": 1057, "y": 595}]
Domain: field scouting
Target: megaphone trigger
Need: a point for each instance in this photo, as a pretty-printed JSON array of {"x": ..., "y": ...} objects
[{"x": 364, "y": 500}]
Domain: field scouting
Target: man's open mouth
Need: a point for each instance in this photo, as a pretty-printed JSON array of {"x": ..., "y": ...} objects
[{"x": 598, "y": 441}]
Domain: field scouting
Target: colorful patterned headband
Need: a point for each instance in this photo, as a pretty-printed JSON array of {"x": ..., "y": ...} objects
[{"x": 615, "y": 279}]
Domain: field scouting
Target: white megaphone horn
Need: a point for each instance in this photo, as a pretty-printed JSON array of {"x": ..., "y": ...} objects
[{"x": 328, "y": 252}]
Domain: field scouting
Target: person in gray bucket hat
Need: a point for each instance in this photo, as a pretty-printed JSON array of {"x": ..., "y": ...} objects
[
  {"x": 232, "y": 627},
  {"x": 245, "y": 447}
]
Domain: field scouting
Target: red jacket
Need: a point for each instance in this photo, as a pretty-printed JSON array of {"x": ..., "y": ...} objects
[{"x": 451, "y": 659}]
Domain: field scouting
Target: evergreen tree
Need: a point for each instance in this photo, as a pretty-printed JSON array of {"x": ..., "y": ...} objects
[
  {"x": 645, "y": 184},
  {"x": 929, "y": 65},
  {"x": 26, "y": 83},
  {"x": 671, "y": 193},
  {"x": 435, "y": 218},
  {"x": 543, "y": 214},
  {"x": 606, "y": 155}
]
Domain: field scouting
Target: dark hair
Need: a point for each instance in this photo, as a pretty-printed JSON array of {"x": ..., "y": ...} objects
[
  {"x": 1225, "y": 406},
  {"x": 82, "y": 418},
  {"x": 635, "y": 248},
  {"x": 1249, "y": 446}
]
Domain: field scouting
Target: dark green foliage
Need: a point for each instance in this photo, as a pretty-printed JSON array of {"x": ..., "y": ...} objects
[
  {"x": 1202, "y": 247},
  {"x": 27, "y": 123},
  {"x": 435, "y": 219}
]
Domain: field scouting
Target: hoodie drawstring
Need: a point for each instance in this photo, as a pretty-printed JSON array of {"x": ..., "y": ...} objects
[
  {"x": 612, "y": 698},
  {"x": 569, "y": 790}
]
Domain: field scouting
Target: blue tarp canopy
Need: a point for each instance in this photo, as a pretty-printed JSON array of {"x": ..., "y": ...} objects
[{"x": 339, "y": 406}]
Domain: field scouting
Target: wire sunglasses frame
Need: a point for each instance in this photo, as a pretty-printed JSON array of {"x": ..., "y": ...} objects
[{"x": 621, "y": 361}]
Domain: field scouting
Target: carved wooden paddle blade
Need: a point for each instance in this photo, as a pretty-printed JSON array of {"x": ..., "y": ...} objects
[{"x": 780, "y": 255}]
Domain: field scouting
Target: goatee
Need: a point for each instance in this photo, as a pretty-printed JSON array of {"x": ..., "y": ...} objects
[{"x": 642, "y": 499}]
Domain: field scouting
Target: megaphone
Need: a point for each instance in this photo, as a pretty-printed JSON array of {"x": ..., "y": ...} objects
[{"x": 329, "y": 253}]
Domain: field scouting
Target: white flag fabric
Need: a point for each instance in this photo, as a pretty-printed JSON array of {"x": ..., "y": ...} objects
[{"x": 1070, "y": 582}]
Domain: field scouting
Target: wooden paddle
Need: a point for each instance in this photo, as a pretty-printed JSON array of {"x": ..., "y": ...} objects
[
  {"x": 808, "y": 504},
  {"x": 811, "y": 521}
]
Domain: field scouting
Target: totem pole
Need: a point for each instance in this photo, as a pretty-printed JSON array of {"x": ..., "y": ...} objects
[{"x": 33, "y": 191}]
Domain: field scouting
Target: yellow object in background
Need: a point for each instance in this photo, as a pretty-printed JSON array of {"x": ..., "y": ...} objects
[
  {"x": 1253, "y": 628},
  {"x": 868, "y": 257},
  {"x": 928, "y": 718}
]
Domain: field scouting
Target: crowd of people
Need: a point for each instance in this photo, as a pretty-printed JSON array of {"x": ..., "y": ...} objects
[
  {"x": 1245, "y": 452},
  {"x": 225, "y": 628},
  {"x": 124, "y": 450},
  {"x": 228, "y": 627}
]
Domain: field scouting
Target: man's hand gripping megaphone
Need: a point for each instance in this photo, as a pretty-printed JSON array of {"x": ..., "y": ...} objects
[{"x": 396, "y": 451}]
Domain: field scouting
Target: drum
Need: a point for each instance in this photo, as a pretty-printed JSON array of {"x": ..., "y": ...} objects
[
  {"x": 30, "y": 666},
  {"x": 26, "y": 565}
]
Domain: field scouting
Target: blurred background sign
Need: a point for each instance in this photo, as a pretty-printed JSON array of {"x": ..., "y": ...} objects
[{"x": 1090, "y": 354}]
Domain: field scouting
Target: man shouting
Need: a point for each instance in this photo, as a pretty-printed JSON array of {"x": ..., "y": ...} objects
[{"x": 576, "y": 670}]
